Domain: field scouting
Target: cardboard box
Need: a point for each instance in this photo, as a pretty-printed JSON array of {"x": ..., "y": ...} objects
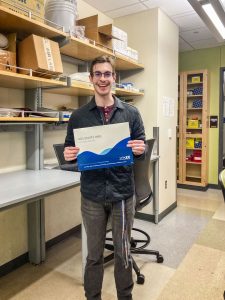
[
  {"x": 7, "y": 61},
  {"x": 36, "y": 7},
  {"x": 12, "y": 42},
  {"x": 113, "y": 33},
  {"x": 8, "y": 56},
  {"x": 107, "y": 35},
  {"x": 41, "y": 55}
]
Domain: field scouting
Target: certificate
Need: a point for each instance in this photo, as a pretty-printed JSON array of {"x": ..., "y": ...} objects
[{"x": 103, "y": 146}]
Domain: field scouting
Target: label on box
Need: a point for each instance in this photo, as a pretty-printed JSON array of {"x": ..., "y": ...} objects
[
  {"x": 103, "y": 146},
  {"x": 48, "y": 54}
]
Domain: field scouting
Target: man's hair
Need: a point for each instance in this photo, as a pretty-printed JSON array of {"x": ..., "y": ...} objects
[{"x": 100, "y": 60}]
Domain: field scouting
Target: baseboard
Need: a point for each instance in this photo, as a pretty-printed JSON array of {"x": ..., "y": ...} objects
[
  {"x": 214, "y": 186},
  {"x": 73, "y": 231},
  {"x": 192, "y": 187},
  {"x": 151, "y": 218},
  {"x": 145, "y": 217},
  {"x": 23, "y": 259},
  {"x": 13, "y": 264}
]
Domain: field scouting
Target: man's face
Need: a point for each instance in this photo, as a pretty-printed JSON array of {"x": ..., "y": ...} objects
[{"x": 102, "y": 78}]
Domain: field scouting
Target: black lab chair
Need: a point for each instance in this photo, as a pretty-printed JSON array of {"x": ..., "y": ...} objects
[
  {"x": 63, "y": 164},
  {"x": 143, "y": 193}
]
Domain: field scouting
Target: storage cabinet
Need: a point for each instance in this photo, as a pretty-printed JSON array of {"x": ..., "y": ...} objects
[{"x": 192, "y": 137}]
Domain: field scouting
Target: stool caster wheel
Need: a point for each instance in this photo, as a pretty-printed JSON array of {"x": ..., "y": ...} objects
[
  {"x": 140, "y": 279},
  {"x": 160, "y": 259}
]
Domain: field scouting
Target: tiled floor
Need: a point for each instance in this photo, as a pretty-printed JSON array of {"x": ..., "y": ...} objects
[{"x": 191, "y": 239}]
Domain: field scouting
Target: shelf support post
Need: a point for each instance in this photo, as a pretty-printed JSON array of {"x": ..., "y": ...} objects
[{"x": 34, "y": 161}]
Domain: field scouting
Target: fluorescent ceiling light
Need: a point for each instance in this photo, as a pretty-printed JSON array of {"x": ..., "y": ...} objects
[{"x": 210, "y": 11}]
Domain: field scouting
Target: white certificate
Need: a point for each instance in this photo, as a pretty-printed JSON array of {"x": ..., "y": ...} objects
[{"x": 103, "y": 146}]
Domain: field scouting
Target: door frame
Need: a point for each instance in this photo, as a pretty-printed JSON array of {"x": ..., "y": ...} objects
[{"x": 221, "y": 117}]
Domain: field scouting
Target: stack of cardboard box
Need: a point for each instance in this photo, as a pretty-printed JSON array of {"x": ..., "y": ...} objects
[{"x": 108, "y": 36}]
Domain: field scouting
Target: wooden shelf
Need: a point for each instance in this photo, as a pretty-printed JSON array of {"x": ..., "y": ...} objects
[
  {"x": 79, "y": 88},
  {"x": 28, "y": 119},
  {"x": 11, "y": 21},
  {"x": 19, "y": 81},
  {"x": 195, "y": 108},
  {"x": 85, "y": 51},
  {"x": 194, "y": 96},
  {"x": 189, "y": 128},
  {"x": 126, "y": 63},
  {"x": 193, "y": 176},
  {"x": 194, "y": 183},
  {"x": 194, "y": 83},
  {"x": 124, "y": 92},
  {"x": 193, "y": 135},
  {"x": 193, "y": 163},
  {"x": 82, "y": 50}
]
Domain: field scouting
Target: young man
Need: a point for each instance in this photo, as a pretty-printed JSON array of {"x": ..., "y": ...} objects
[{"x": 110, "y": 191}]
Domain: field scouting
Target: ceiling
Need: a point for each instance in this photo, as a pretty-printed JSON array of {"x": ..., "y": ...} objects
[{"x": 193, "y": 32}]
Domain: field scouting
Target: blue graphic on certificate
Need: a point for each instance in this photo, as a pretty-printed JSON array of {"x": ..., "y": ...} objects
[{"x": 103, "y": 146}]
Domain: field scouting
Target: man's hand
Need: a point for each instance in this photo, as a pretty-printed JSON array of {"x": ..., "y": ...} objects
[
  {"x": 70, "y": 153},
  {"x": 138, "y": 146}
]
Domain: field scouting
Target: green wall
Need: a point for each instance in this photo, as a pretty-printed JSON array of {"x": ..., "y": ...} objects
[{"x": 211, "y": 59}]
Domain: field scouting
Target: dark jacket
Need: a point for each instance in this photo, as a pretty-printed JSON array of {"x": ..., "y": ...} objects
[{"x": 110, "y": 184}]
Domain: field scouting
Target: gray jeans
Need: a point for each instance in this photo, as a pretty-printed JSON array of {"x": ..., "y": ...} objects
[{"x": 95, "y": 217}]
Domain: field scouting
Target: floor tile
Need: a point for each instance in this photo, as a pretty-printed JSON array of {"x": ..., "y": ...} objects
[
  {"x": 209, "y": 201},
  {"x": 213, "y": 235},
  {"x": 201, "y": 276},
  {"x": 220, "y": 212},
  {"x": 156, "y": 277},
  {"x": 175, "y": 234}
]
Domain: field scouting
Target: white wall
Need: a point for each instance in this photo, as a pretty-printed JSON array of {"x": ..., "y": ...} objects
[
  {"x": 167, "y": 87},
  {"x": 155, "y": 36},
  {"x": 142, "y": 29}
]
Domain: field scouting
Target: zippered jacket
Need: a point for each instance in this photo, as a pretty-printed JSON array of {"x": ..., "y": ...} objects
[{"x": 107, "y": 184}]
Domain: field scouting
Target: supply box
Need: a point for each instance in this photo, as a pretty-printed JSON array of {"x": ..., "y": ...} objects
[
  {"x": 41, "y": 55},
  {"x": 195, "y": 79},
  {"x": 108, "y": 36},
  {"x": 8, "y": 56},
  {"x": 190, "y": 143},
  {"x": 193, "y": 124},
  {"x": 36, "y": 7}
]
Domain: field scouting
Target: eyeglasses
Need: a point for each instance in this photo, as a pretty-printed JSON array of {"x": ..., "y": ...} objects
[{"x": 98, "y": 74}]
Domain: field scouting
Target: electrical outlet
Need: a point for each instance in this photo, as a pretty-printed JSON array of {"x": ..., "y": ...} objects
[{"x": 165, "y": 184}]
